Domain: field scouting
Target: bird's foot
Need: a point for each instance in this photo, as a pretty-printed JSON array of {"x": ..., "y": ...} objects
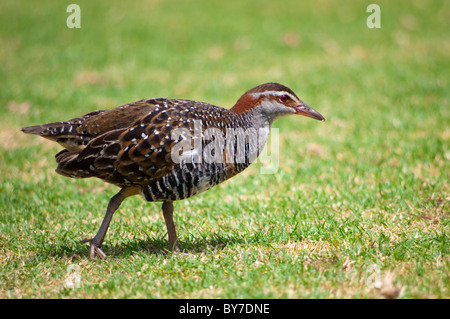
[
  {"x": 95, "y": 248},
  {"x": 175, "y": 248}
]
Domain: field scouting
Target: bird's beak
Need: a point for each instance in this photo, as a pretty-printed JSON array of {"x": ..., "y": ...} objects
[{"x": 305, "y": 110}]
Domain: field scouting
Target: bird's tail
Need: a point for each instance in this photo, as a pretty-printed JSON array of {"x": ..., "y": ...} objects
[
  {"x": 70, "y": 134},
  {"x": 51, "y": 130}
]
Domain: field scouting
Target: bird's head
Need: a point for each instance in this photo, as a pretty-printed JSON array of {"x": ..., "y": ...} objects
[{"x": 274, "y": 100}]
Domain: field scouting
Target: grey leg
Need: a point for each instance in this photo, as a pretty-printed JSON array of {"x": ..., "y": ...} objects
[
  {"x": 114, "y": 203},
  {"x": 167, "y": 208}
]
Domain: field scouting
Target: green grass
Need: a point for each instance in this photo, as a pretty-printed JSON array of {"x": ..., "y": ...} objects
[{"x": 368, "y": 189}]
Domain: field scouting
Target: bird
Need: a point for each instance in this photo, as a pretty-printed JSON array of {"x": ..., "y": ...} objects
[{"x": 168, "y": 150}]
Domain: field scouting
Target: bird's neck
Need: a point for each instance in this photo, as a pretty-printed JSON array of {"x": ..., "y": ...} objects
[{"x": 259, "y": 122}]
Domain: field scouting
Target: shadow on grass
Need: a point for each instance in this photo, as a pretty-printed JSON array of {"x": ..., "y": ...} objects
[{"x": 156, "y": 246}]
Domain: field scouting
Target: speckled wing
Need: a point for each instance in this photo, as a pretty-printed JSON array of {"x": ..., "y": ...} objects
[{"x": 140, "y": 153}]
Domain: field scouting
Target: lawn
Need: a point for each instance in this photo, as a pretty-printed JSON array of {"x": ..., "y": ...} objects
[{"x": 358, "y": 207}]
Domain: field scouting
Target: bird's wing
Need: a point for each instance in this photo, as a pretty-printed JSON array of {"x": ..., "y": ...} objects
[{"x": 142, "y": 152}]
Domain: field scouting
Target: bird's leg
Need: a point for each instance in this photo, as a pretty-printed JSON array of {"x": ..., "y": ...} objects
[
  {"x": 96, "y": 242},
  {"x": 114, "y": 203},
  {"x": 167, "y": 208}
]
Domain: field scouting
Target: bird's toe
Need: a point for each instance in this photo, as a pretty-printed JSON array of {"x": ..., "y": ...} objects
[
  {"x": 95, "y": 248},
  {"x": 96, "y": 251}
]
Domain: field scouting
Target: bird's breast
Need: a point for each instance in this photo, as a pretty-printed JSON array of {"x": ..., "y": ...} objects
[{"x": 187, "y": 180}]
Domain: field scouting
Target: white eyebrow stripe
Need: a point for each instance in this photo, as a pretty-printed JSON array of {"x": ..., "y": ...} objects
[{"x": 277, "y": 93}]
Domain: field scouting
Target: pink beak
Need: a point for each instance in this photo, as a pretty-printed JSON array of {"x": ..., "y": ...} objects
[{"x": 305, "y": 110}]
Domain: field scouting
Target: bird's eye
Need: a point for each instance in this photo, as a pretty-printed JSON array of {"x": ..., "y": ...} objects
[{"x": 284, "y": 98}]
